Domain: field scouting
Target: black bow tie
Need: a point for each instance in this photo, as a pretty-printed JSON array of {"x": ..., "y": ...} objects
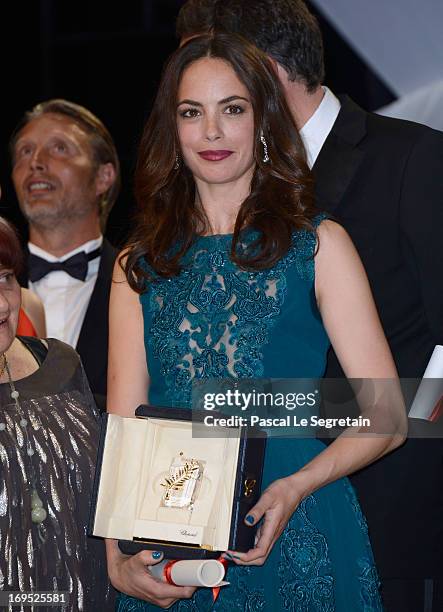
[{"x": 76, "y": 266}]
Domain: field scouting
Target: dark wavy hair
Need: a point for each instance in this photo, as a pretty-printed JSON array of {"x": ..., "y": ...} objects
[
  {"x": 11, "y": 256},
  {"x": 169, "y": 214},
  {"x": 102, "y": 144},
  {"x": 283, "y": 29}
]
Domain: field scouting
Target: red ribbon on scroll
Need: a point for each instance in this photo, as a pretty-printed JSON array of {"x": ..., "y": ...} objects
[{"x": 216, "y": 590}]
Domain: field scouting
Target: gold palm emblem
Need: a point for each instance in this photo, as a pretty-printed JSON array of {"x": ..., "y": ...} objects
[{"x": 177, "y": 481}]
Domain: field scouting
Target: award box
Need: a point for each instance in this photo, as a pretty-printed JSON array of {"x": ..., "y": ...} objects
[{"x": 162, "y": 483}]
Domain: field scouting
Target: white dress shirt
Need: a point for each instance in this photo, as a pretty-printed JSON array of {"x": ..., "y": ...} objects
[
  {"x": 65, "y": 298},
  {"x": 316, "y": 129}
]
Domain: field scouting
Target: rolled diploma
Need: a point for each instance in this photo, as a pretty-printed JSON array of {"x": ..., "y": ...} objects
[
  {"x": 198, "y": 572},
  {"x": 428, "y": 395}
]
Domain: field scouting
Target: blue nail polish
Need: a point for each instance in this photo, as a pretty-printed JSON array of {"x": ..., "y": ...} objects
[
  {"x": 156, "y": 555},
  {"x": 228, "y": 555},
  {"x": 250, "y": 519}
]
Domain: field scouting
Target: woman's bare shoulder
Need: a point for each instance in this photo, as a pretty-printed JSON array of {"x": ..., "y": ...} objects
[{"x": 34, "y": 309}]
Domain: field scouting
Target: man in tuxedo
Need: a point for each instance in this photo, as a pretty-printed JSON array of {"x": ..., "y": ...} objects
[
  {"x": 381, "y": 179},
  {"x": 66, "y": 175}
]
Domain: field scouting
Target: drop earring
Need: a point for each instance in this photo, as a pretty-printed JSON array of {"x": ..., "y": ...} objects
[
  {"x": 177, "y": 162},
  {"x": 266, "y": 158}
]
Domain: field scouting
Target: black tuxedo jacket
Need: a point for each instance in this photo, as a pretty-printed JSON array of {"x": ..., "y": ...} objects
[
  {"x": 382, "y": 180},
  {"x": 92, "y": 344}
]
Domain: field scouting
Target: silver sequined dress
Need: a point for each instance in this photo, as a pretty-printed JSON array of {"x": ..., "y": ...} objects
[{"x": 62, "y": 426}]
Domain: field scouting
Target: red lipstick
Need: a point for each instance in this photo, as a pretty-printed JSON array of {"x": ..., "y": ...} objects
[{"x": 215, "y": 155}]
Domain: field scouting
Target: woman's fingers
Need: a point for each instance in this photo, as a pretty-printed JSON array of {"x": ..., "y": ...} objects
[
  {"x": 149, "y": 557},
  {"x": 270, "y": 530},
  {"x": 274, "y": 507},
  {"x": 136, "y": 580},
  {"x": 257, "y": 535},
  {"x": 258, "y": 511}
]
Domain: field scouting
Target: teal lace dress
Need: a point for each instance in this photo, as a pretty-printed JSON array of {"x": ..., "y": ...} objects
[{"x": 216, "y": 320}]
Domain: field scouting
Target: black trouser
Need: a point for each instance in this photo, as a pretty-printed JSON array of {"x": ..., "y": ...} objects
[{"x": 412, "y": 595}]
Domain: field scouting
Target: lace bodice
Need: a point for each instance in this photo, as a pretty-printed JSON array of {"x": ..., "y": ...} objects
[{"x": 216, "y": 320}]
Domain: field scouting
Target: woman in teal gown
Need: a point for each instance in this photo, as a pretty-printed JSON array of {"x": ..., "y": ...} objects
[{"x": 204, "y": 313}]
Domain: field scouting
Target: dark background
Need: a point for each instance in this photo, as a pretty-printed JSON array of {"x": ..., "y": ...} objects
[{"x": 109, "y": 58}]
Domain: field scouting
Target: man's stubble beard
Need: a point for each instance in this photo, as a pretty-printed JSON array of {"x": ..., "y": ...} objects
[{"x": 54, "y": 215}]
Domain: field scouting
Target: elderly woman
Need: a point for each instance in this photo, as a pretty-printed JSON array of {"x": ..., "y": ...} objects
[
  {"x": 233, "y": 273},
  {"x": 48, "y": 436}
]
